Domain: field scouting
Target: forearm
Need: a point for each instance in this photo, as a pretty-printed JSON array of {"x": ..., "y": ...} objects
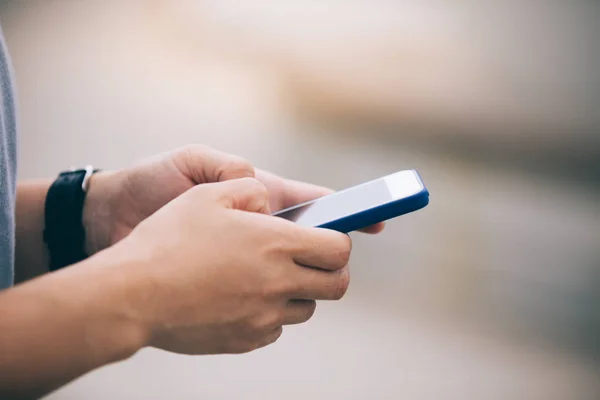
[
  {"x": 31, "y": 254},
  {"x": 62, "y": 325}
]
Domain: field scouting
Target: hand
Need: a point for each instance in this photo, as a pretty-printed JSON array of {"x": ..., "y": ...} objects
[
  {"x": 119, "y": 201},
  {"x": 215, "y": 273}
]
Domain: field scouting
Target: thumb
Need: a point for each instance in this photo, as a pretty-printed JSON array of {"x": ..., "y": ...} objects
[
  {"x": 245, "y": 194},
  {"x": 202, "y": 164}
]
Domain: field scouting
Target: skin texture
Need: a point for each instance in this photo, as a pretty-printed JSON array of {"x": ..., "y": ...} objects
[
  {"x": 31, "y": 255},
  {"x": 185, "y": 257},
  {"x": 118, "y": 201}
]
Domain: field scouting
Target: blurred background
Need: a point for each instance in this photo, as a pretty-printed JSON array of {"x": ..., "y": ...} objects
[{"x": 492, "y": 292}]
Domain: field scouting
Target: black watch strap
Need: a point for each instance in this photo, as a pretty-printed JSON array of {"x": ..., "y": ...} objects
[{"x": 64, "y": 233}]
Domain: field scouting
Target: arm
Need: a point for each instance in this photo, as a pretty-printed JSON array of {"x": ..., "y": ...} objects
[
  {"x": 62, "y": 325},
  {"x": 117, "y": 197},
  {"x": 119, "y": 201},
  {"x": 175, "y": 284},
  {"x": 31, "y": 255}
]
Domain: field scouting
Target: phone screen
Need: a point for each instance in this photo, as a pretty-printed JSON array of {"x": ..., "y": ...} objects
[{"x": 354, "y": 200}]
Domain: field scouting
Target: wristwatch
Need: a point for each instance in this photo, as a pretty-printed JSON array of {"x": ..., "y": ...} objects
[{"x": 64, "y": 233}]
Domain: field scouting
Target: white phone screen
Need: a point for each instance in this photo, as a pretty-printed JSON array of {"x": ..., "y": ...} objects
[{"x": 355, "y": 199}]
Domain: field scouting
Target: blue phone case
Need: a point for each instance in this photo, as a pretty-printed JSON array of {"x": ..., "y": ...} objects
[{"x": 382, "y": 213}]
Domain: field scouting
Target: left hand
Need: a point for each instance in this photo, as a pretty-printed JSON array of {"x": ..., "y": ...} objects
[{"x": 118, "y": 201}]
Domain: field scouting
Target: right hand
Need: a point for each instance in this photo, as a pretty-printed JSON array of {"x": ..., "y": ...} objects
[{"x": 216, "y": 273}]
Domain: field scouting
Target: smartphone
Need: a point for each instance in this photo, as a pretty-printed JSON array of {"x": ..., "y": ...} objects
[{"x": 363, "y": 205}]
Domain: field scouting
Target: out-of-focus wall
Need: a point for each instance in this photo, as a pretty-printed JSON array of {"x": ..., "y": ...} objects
[
  {"x": 491, "y": 292},
  {"x": 515, "y": 78}
]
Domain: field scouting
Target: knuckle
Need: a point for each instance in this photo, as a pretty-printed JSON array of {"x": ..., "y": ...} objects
[
  {"x": 345, "y": 250},
  {"x": 272, "y": 320},
  {"x": 257, "y": 187},
  {"x": 286, "y": 236},
  {"x": 342, "y": 284},
  {"x": 271, "y": 338},
  {"x": 236, "y": 166},
  {"x": 276, "y": 335},
  {"x": 191, "y": 151},
  {"x": 310, "y": 311},
  {"x": 247, "y": 346},
  {"x": 276, "y": 281},
  {"x": 255, "y": 325},
  {"x": 266, "y": 322},
  {"x": 260, "y": 187}
]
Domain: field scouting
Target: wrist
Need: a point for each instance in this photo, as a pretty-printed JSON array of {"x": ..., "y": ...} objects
[{"x": 98, "y": 211}]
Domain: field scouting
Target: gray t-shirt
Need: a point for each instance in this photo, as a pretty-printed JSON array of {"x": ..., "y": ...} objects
[{"x": 8, "y": 169}]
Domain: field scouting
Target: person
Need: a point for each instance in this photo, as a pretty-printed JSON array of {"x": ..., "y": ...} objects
[{"x": 179, "y": 252}]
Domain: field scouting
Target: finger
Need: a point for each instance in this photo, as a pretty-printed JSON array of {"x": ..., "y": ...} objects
[
  {"x": 322, "y": 248},
  {"x": 299, "y": 311},
  {"x": 288, "y": 193},
  {"x": 246, "y": 194},
  {"x": 374, "y": 229},
  {"x": 295, "y": 192},
  {"x": 203, "y": 164},
  {"x": 316, "y": 284},
  {"x": 269, "y": 338}
]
